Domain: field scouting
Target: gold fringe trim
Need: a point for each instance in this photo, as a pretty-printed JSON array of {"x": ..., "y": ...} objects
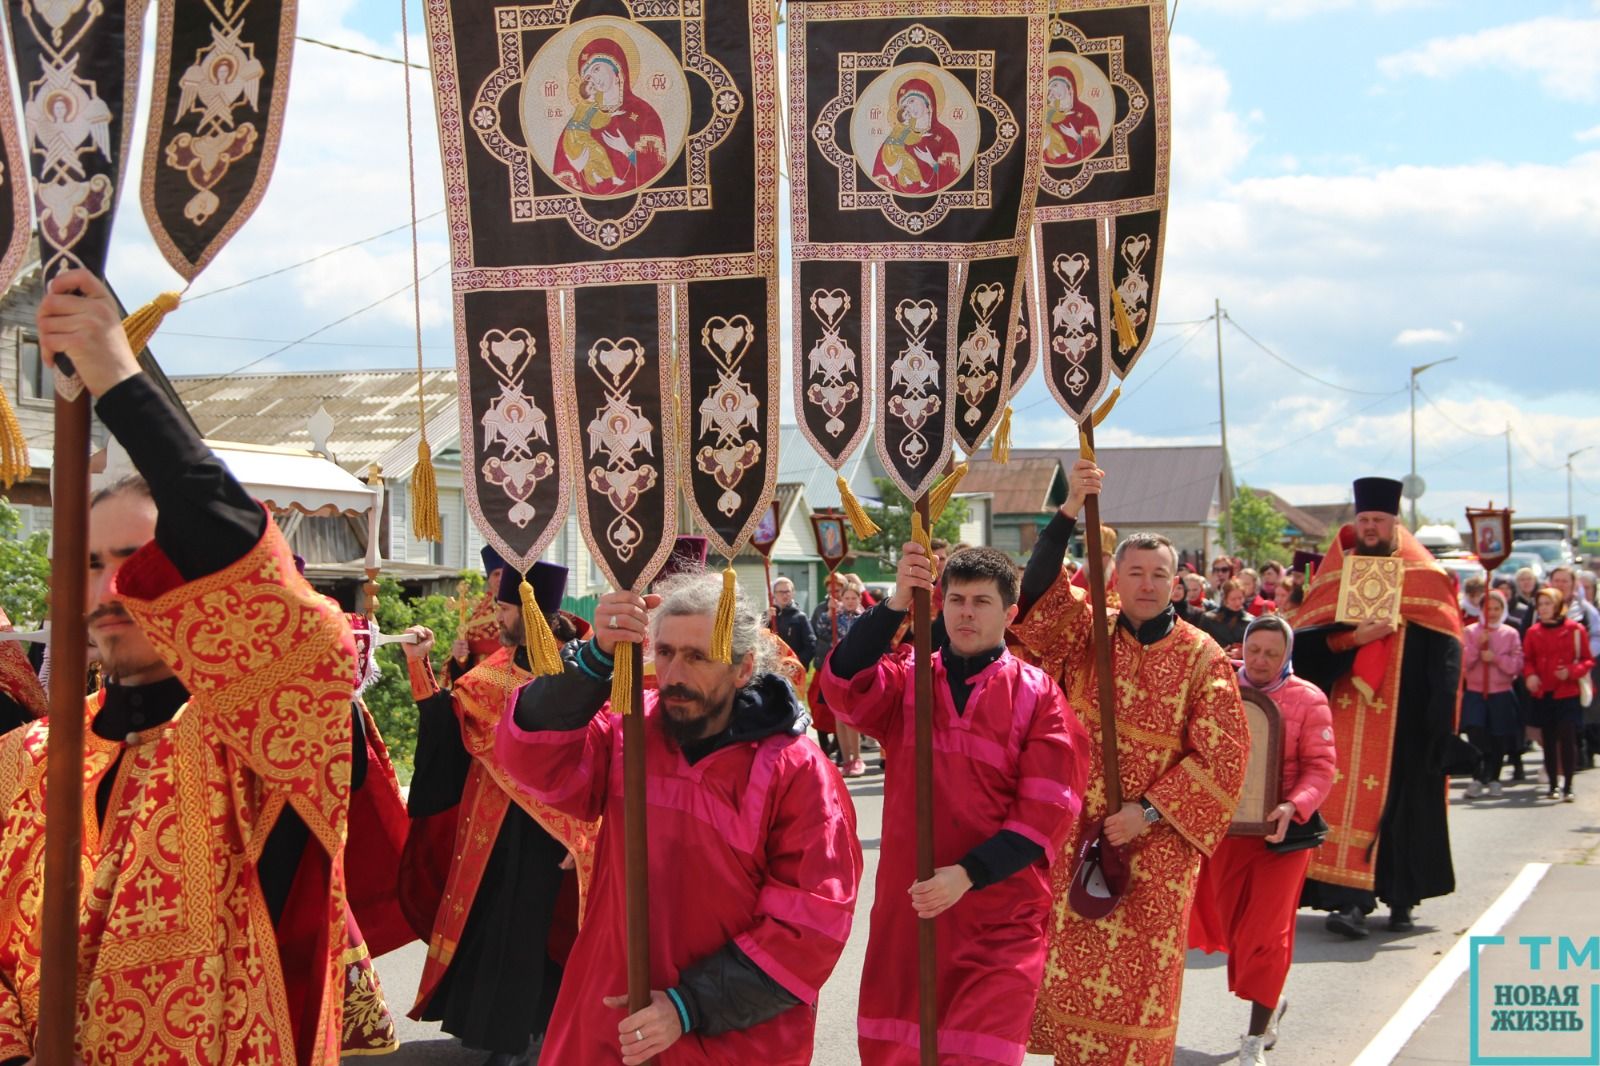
[
  {"x": 14, "y": 465},
  {"x": 425, "y": 523},
  {"x": 1105, "y": 407},
  {"x": 143, "y": 323},
  {"x": 722, "y": 628},
  {"x": 1000, "y": 450},
  {"x": 939, "y": 495},
  {"x": 860, "y": 521},
  {"x": 622, "y": 680},
  {"x": 544, "y": 654},
  {"x": 1127, "y": 338}
]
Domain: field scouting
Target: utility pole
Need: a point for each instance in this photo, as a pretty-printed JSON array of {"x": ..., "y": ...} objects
[
  {"x": 1508, "y": 467},
  {"x": 1222, "y": 412},
  {"x": 1412, "y": 484},
  {"x": 1571, "y": 524}
]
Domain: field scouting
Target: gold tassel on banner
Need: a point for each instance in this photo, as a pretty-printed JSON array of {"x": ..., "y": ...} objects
[
  {"x": 544, "y": 654},
  {"x": 860, "y": 521},
  {"x": 425, "y": 522},
  {"x": 722, "y": 628},
  {"x": 143, "y": 323},
  {"x": 1084, "y": 451},
  {"x": 1000, "y": 450},
  {"x": 622, "y": 679},
  {"x": 1105, "y": 407},
  {"x": 1127, "y": 339},
  {"x": 919, "y": 532},
  {"x": 939, "y": 495},
  {"x": 14, "y": 465}
]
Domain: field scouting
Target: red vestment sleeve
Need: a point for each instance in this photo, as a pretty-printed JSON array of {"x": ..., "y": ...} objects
[
  {"x": 1053, "y": 769},
  {"x": 808, "y": 896},
  {"x": 872, "y": 700},
  {"x": 1198, "y": 794},
  {"x": 564, "y": 768},
  {"x": 1055, "y": 634}
]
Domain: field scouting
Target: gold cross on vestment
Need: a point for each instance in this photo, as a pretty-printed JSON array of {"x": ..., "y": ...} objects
[
  {"x": 1369, "y": 782},
  {"x": 1102, "y": 987}
]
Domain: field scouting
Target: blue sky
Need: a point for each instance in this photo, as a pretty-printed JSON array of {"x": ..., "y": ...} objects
[{"x": 1367, "y": 185}]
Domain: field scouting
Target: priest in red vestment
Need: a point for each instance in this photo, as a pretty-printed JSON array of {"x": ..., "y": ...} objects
[
  {"x": 508, "y": 868},
  {"x": 217, "y": 766},
  {"x": 1112, "y": 983},
  {"x": 1010, "y": 761},
  {"x": 22, "y": 696},
  {"x": 1394, "y": 690},
  {"x": 754, "y": 861}
]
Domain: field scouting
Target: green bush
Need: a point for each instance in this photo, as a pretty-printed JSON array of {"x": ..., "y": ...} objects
[
  {"x": 389, "y": 698},
  {"x": 25, "y": 564}
]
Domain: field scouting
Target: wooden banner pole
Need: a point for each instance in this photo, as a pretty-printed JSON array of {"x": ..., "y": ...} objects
[
  {"x": 637, "y": 844},
  {"x": 922, "y": 637},
  {"x": 63, "y": 849},
  {"x": 1095, "y": 551}
]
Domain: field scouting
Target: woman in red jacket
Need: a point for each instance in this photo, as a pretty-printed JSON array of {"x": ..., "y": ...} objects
[
  {"x": 1247, "y": 897},
  {"x": 1555, "y": 654}
]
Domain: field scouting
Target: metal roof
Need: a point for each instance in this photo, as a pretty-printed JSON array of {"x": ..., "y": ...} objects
[
  {"x": 1021, "y": 486},
  {"x": 374, "y": 411},
  {"x": 798, "y": 463},
  {"x": 1177, "y": 485}
]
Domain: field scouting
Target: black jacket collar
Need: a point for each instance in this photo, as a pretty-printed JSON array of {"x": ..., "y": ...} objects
[
  {"x": 131, "y": 709},
  {"x": 766, "y": 707},
  {"x": 1155, "y": 629}
]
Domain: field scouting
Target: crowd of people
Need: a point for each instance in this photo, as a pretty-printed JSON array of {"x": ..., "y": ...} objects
[{"x": 249, "y": 853}]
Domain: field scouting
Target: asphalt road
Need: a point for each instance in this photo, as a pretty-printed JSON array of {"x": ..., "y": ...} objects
[{"x": 1341, "y": 992}]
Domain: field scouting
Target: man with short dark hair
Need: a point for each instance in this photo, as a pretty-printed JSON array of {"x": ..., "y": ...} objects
[
  {"x": 1182, "y": 743},
  {"x": 1010, "y": 761},
  {"x": 754, "y": 861},
  {"x": 1393, "y": 687}
]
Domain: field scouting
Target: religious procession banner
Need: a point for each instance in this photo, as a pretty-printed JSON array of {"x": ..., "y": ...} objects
[
  {"x": 914, "y": 137},
  {"x": 611, "y": 182},
  {"x": 1102, "y": 194},
  {"x": 15, "y": 203},
  {"x": 216, "y": 115}
]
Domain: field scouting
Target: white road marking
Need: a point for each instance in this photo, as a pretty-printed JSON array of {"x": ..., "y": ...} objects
[{"x": 1398, "y": 1030}]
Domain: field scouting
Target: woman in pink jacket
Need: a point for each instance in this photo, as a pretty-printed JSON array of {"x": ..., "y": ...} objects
[
  {"x": 1246, "y": 901},
  {"x": 1490, "y": 662}
]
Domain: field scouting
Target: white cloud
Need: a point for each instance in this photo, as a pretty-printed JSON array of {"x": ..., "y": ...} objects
[
  {"x": 1430, "y": 335},
  {"x": 1285, "y": 10},
  {"x": 1590, "y": 134},
  {"x": 1559, "y": 52},
  {"x": 1209, "y": 140}
]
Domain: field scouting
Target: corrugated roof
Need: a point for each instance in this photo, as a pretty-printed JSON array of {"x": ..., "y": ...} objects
[
  {"x": 374, "y": 411},
  {"x": 1021, "y": 486},
  {"x": 799, "y": 463},
  {"x": 1160, "y": 486}
]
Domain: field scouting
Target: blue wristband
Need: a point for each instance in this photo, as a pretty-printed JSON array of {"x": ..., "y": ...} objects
[
  {"x": 597, "y": 673},
  {"x": 683, "y": 1011},
  {"x": 599, "y": 656}
]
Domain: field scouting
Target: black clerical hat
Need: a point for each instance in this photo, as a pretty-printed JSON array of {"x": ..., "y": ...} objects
[{"x": 1377, "y": 494}]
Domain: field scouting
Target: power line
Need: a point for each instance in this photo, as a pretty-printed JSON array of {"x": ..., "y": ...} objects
[
  {"x": 1321, "y": 429},
  {"x": 169, "y": 333},
  {"x": 306, "y": 262},
  {"x": 1194, "y": 332},
  {"x": 1297, "y": 370},
  {"x": 359, "y": 52},
  {"x": 1049, "y": 398},
  {"x": 1440, "y": 412},
  {"x": 323, "y": 329}
]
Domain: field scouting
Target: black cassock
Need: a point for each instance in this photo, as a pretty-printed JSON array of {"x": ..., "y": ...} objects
[{"x": 1414, "y": 834}]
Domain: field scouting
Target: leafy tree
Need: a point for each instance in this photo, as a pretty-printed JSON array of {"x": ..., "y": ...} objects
[
  {"x": 893, "y": 517},
  {"x": 389, "y": 697},
  {"x": 1257, "y": 528},
  {"x": 25, "y": 564}
]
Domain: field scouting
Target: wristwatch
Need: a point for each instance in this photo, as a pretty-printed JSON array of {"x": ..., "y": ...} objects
[{"x": 1151, "y": 815}]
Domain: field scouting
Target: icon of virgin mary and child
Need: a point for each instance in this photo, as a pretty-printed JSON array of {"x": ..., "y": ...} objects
[
  {"x": 1072, "y": 130},
  {"x": 920, "y": 156},
  {"x": 613, "y": 144}
]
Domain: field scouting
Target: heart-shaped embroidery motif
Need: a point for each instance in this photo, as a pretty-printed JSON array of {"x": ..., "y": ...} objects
[
  {"x": 916, "y": 317},
  {"x": 985, "y": 298},
  {"x": 1071, "y": 268},
  {"x": 1134, "y": 249},
  {"x": 509, "y": 351},
  {"x": 830, "y": 305},
  {"x": 732, "y": 336},
  {"x": 621, "y": 358}
]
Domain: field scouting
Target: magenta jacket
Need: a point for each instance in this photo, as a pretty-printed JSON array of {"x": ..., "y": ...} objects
[
  {"x": 1308, "y": 753},
  {"x": 1506, "y": 644}
]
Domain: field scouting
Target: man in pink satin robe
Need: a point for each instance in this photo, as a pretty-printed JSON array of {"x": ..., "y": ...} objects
[{"x": 1010, "y": 760}]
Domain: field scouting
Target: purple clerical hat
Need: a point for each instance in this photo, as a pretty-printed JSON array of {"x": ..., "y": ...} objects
[
  {"x": 549, "y": 583},
  {"x": 688, "y": 557},
  {"x": 491, "y": 561}
]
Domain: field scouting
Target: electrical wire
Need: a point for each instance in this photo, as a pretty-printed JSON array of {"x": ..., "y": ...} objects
[
  {"x": 1194, "y": 332},
  {"x": 304, "y": 262},
  {"x": 323, "y": 329},
  {"x": 1440, "y": 412},
  {"x": 169, "y": 333},
  {"x": 1297, "y": 370},
  {"x": 359, "y": 52},
  {"x": 1321, "y": 429}
]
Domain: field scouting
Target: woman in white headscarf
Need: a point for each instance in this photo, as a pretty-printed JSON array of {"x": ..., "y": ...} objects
[{"x": 1248, "y": 894}]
